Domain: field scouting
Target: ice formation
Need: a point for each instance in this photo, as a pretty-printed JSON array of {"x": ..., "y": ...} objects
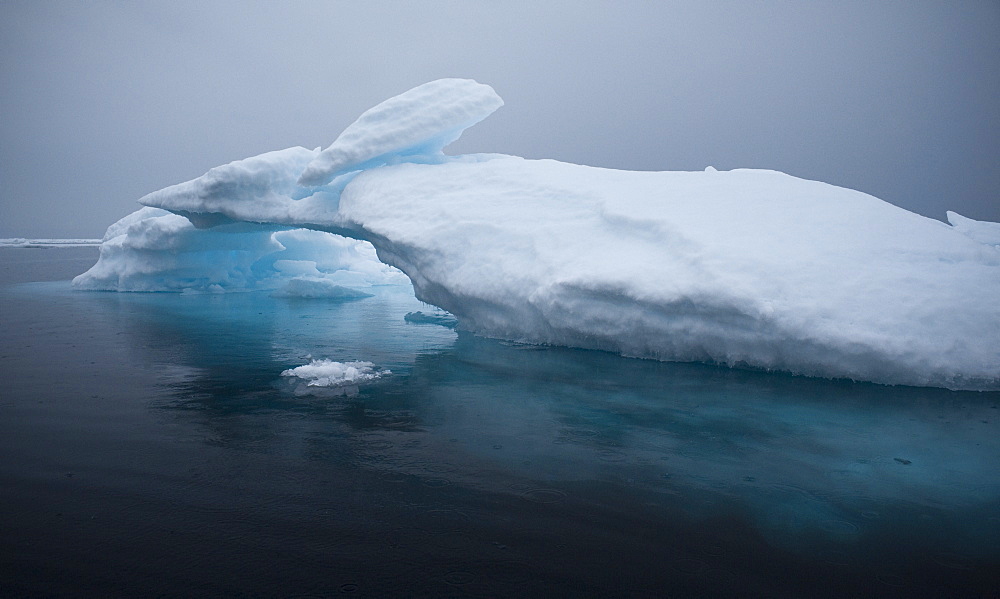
[
  {"x": 753, "y": 268},
  {"x": 155, "y": 250},
  {"x": 328, "y": 373},
  {"x": 21, "y": 242},
  {"x": 983, "y": 232},
  {"x": 419, "y": 123},
  {"x": 318, "y": 287}
]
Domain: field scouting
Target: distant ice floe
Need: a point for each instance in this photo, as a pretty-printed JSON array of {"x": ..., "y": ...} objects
[
  {"x": 328, "y": 373},
  {"x": 21, "y": 242},
  {"x": 750, "y": 268}
]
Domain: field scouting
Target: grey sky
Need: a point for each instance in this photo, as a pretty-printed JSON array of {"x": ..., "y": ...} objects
[{"x": 103, "y": 102}]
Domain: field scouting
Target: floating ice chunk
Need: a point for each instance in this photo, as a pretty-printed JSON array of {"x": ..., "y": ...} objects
[
  {"x": 438, "y": 317},
  {"x": 327, "y": 373},
  {"x": 318, "y": 288},
  {"x": 421, "y": 121}
]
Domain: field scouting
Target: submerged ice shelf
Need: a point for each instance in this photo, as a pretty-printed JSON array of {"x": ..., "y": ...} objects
[{"x": 752, "y": 268}]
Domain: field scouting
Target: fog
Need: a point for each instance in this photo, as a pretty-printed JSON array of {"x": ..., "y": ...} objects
[{"x": 103, "y": 102}]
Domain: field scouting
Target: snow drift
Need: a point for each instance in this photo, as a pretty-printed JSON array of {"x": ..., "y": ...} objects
[{"x": 747, "y": 267}]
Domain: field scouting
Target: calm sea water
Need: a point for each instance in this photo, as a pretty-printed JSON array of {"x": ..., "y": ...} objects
[{"x": 151, "y": 447}]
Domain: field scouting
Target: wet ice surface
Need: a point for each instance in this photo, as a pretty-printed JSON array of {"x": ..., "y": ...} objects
[{"x": 146, "y": 452}]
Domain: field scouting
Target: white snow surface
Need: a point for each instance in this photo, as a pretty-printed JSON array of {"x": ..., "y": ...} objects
[
  {"x": 328, "y": 373},
  {"x": 983, "y": 232},
  {"x": 261, "y": 183},
  {"x": 419, "y": 122},
  {"x": 749, "y": 268},
  {"x": 744, "y": 267}
]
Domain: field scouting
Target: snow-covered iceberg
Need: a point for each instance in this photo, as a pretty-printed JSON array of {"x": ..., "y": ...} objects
[{"x": 753, "y": 268}]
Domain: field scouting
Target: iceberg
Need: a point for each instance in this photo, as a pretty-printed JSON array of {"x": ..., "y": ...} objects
[{"x": 747, "y": 268}]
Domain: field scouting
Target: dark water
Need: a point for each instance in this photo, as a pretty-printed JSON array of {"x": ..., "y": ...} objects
[{"x": 150, "y": 447}]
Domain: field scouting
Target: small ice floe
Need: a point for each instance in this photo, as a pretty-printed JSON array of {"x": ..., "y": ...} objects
[
  {"x": 337, "y": 378},
  {"x": 438, "y": 317},
  {"x": 318, "y": 288}
]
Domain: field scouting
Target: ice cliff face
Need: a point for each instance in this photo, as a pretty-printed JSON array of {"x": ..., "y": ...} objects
[{"x": 746, "y": 267}]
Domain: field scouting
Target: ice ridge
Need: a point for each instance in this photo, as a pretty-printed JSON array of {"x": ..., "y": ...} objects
[{"x": 420, "y": 122}]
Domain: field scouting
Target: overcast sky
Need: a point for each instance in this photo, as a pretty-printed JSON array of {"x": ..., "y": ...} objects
[{"x": 103, "y": 102}]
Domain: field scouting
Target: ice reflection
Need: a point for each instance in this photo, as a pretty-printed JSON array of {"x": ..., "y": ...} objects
[
  {"x": 830, "y": 467},
  {"x": 807, "y": 458}
]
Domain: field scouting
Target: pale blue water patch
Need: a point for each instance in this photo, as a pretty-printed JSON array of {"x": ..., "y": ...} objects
[
  {"x": 799, "y": 455},
  {"x": 237, "y": 342},
  {"x": 478, "y": 466}
]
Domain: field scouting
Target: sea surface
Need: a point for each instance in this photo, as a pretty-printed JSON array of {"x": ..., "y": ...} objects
[{"x": 149, "y": 446}]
